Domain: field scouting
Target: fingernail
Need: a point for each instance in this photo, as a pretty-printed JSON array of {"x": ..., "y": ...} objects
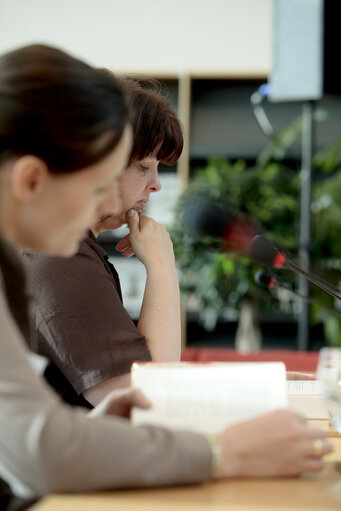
[{"x": 131, "y": 212}]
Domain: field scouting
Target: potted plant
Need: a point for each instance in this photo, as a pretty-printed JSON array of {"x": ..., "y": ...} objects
[{"x": 268, "y": 192}]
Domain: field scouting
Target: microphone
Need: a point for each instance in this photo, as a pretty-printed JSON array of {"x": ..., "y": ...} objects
[
  {"x": 269, "y": 281},
  {"x": 207, "y": 219},
  {"x": 241, "y": 235},
  {"x": 264, "y": 252}
]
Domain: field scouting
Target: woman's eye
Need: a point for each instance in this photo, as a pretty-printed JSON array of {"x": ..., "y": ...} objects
[{"x": 143, "y": 169}]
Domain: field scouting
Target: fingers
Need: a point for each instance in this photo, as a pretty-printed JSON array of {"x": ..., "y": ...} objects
[
  {"x": 276, "y": 444},
  {"x": 128, "y": 252},
  {"x": 315, "y": 447},
  {"x": 321, "y": 447},
  {"x": 150, "y": 242},
  {"x": 313, "y": 441},
  {"x": 293, "y": 375},
  {"x": 312, "y": 446},
  {"x": 315, "y": 451},
  {"x": 124, "y": 246},
  {"x": 119, "y": 402},
  {"x": 133, "y": 220},
  {"x": 139, "y": 221},
  {"x": 316, "y": 433},
  {"x": 127, "y": 398},
  {"x": 312, "y": 465},
  {"x": 139, "y": 399}
]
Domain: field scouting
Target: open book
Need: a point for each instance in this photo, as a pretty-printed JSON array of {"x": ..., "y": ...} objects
[
  {"x": 210, "y": 397},
  {"x": 306, "y": 397}
]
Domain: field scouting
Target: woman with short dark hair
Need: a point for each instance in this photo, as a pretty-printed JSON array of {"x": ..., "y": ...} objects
[{"x": 80, "y": 319}]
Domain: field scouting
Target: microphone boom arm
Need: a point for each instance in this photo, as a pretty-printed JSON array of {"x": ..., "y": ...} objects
[{"x": 318, "y": 281}]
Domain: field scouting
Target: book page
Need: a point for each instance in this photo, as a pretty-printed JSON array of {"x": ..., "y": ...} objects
[
  {"x": 306, "y": 397},
  {"x": 208, "y": 398},
  {"x": 304, "y": 387}
]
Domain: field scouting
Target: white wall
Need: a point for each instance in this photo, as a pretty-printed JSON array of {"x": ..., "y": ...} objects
[{"x": 232, "y": 36}]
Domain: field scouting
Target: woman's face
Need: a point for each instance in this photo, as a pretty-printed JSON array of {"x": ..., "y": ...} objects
[
  {"x": 136, "y": 184},
  {"x": 72, "y": 203}
]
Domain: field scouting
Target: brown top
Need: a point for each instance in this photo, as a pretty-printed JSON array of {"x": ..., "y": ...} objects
[{"x": 81, "y": 323}]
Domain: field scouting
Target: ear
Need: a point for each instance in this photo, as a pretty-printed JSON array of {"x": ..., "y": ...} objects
[{"x": 28, "y": 178}]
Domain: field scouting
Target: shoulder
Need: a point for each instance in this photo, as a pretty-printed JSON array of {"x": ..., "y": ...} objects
[
  {"x": 80, "y": 273},
  {"x": 50, "y": 265}
]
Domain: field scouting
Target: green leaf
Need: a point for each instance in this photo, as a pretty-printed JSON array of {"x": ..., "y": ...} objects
[{"x": 332, "y": 329}]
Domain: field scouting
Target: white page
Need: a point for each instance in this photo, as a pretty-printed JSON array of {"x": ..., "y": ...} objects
[
  {"x": 304, "y": 387},
  {"x": 207, "y": 398},
  {"x": 307, "y": 398}
]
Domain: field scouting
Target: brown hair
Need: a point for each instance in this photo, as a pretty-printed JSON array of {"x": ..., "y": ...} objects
[
  {"x": 58, "y": 108},
  {"x": 155, "y": 124}
]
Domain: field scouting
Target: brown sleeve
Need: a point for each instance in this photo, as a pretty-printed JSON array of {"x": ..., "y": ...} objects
[{"x": 81, "y": 323}]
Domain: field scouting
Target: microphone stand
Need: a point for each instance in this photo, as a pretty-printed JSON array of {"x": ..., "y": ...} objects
[
  {"x": 315, "y": 279},
  {"x": 305, "y": 222},
  {"x": 264, "y": 279},
  {"x": 264, "y": 252}
]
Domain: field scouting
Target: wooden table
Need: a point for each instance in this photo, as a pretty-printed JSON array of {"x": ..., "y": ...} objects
[{"x": 309, "y": 492}]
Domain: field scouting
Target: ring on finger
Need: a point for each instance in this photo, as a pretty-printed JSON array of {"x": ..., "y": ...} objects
[{"x": 317, "y": 448}]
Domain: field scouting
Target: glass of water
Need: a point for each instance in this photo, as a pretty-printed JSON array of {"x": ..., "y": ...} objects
[{"x": 329, "y": 373}]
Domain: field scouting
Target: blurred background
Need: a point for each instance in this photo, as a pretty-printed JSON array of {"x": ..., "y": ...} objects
[{"x": 273, "y": 156}]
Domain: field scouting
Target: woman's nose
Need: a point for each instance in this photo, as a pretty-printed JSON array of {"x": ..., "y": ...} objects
[{"x": 154, "y": 184}]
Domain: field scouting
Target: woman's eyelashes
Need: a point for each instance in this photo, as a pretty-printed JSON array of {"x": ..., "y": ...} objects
[{"x": 143, "y": 169}]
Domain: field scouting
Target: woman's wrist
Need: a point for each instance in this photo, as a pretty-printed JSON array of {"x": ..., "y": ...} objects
[{"x": 216, "y": 451}]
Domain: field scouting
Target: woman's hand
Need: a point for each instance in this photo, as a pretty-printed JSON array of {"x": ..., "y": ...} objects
[
  {"x": 119, "y": 403},
  {"x": 276, "y": 444},
  {"x": 293, "y": 375},
  {"x": 160, "y": 316},
  {"x": 148, "y": 239},
  {"x": 124, "y": 246}
]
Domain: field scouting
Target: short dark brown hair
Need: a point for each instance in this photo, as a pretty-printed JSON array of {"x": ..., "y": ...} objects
[
  {"x": 58, "y": 108},
  {"x": 155, "y": 124}
]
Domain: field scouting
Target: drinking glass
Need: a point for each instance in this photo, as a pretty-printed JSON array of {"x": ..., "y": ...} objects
[{"x": 329, "y": 373}]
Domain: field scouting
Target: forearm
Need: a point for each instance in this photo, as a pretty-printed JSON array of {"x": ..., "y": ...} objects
[
  {"x": 98, "y": 392},
  {"x": 160, "y": 318},
  {"x": 73, "y": 453},
  {"x": 47, "y": 447}
]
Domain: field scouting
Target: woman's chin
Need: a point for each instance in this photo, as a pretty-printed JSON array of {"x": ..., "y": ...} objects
[{"x": 109, "y": 224}]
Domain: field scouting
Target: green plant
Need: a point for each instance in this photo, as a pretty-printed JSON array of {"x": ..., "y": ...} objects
[
  {"x": 326, "y": 211},
  {"x": 268, "y": 192}
]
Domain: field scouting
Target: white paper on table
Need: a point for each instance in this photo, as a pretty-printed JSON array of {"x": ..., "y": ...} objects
[
  {"x": 307, "y": 397},
  {"x": 208, "y": 397}
]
